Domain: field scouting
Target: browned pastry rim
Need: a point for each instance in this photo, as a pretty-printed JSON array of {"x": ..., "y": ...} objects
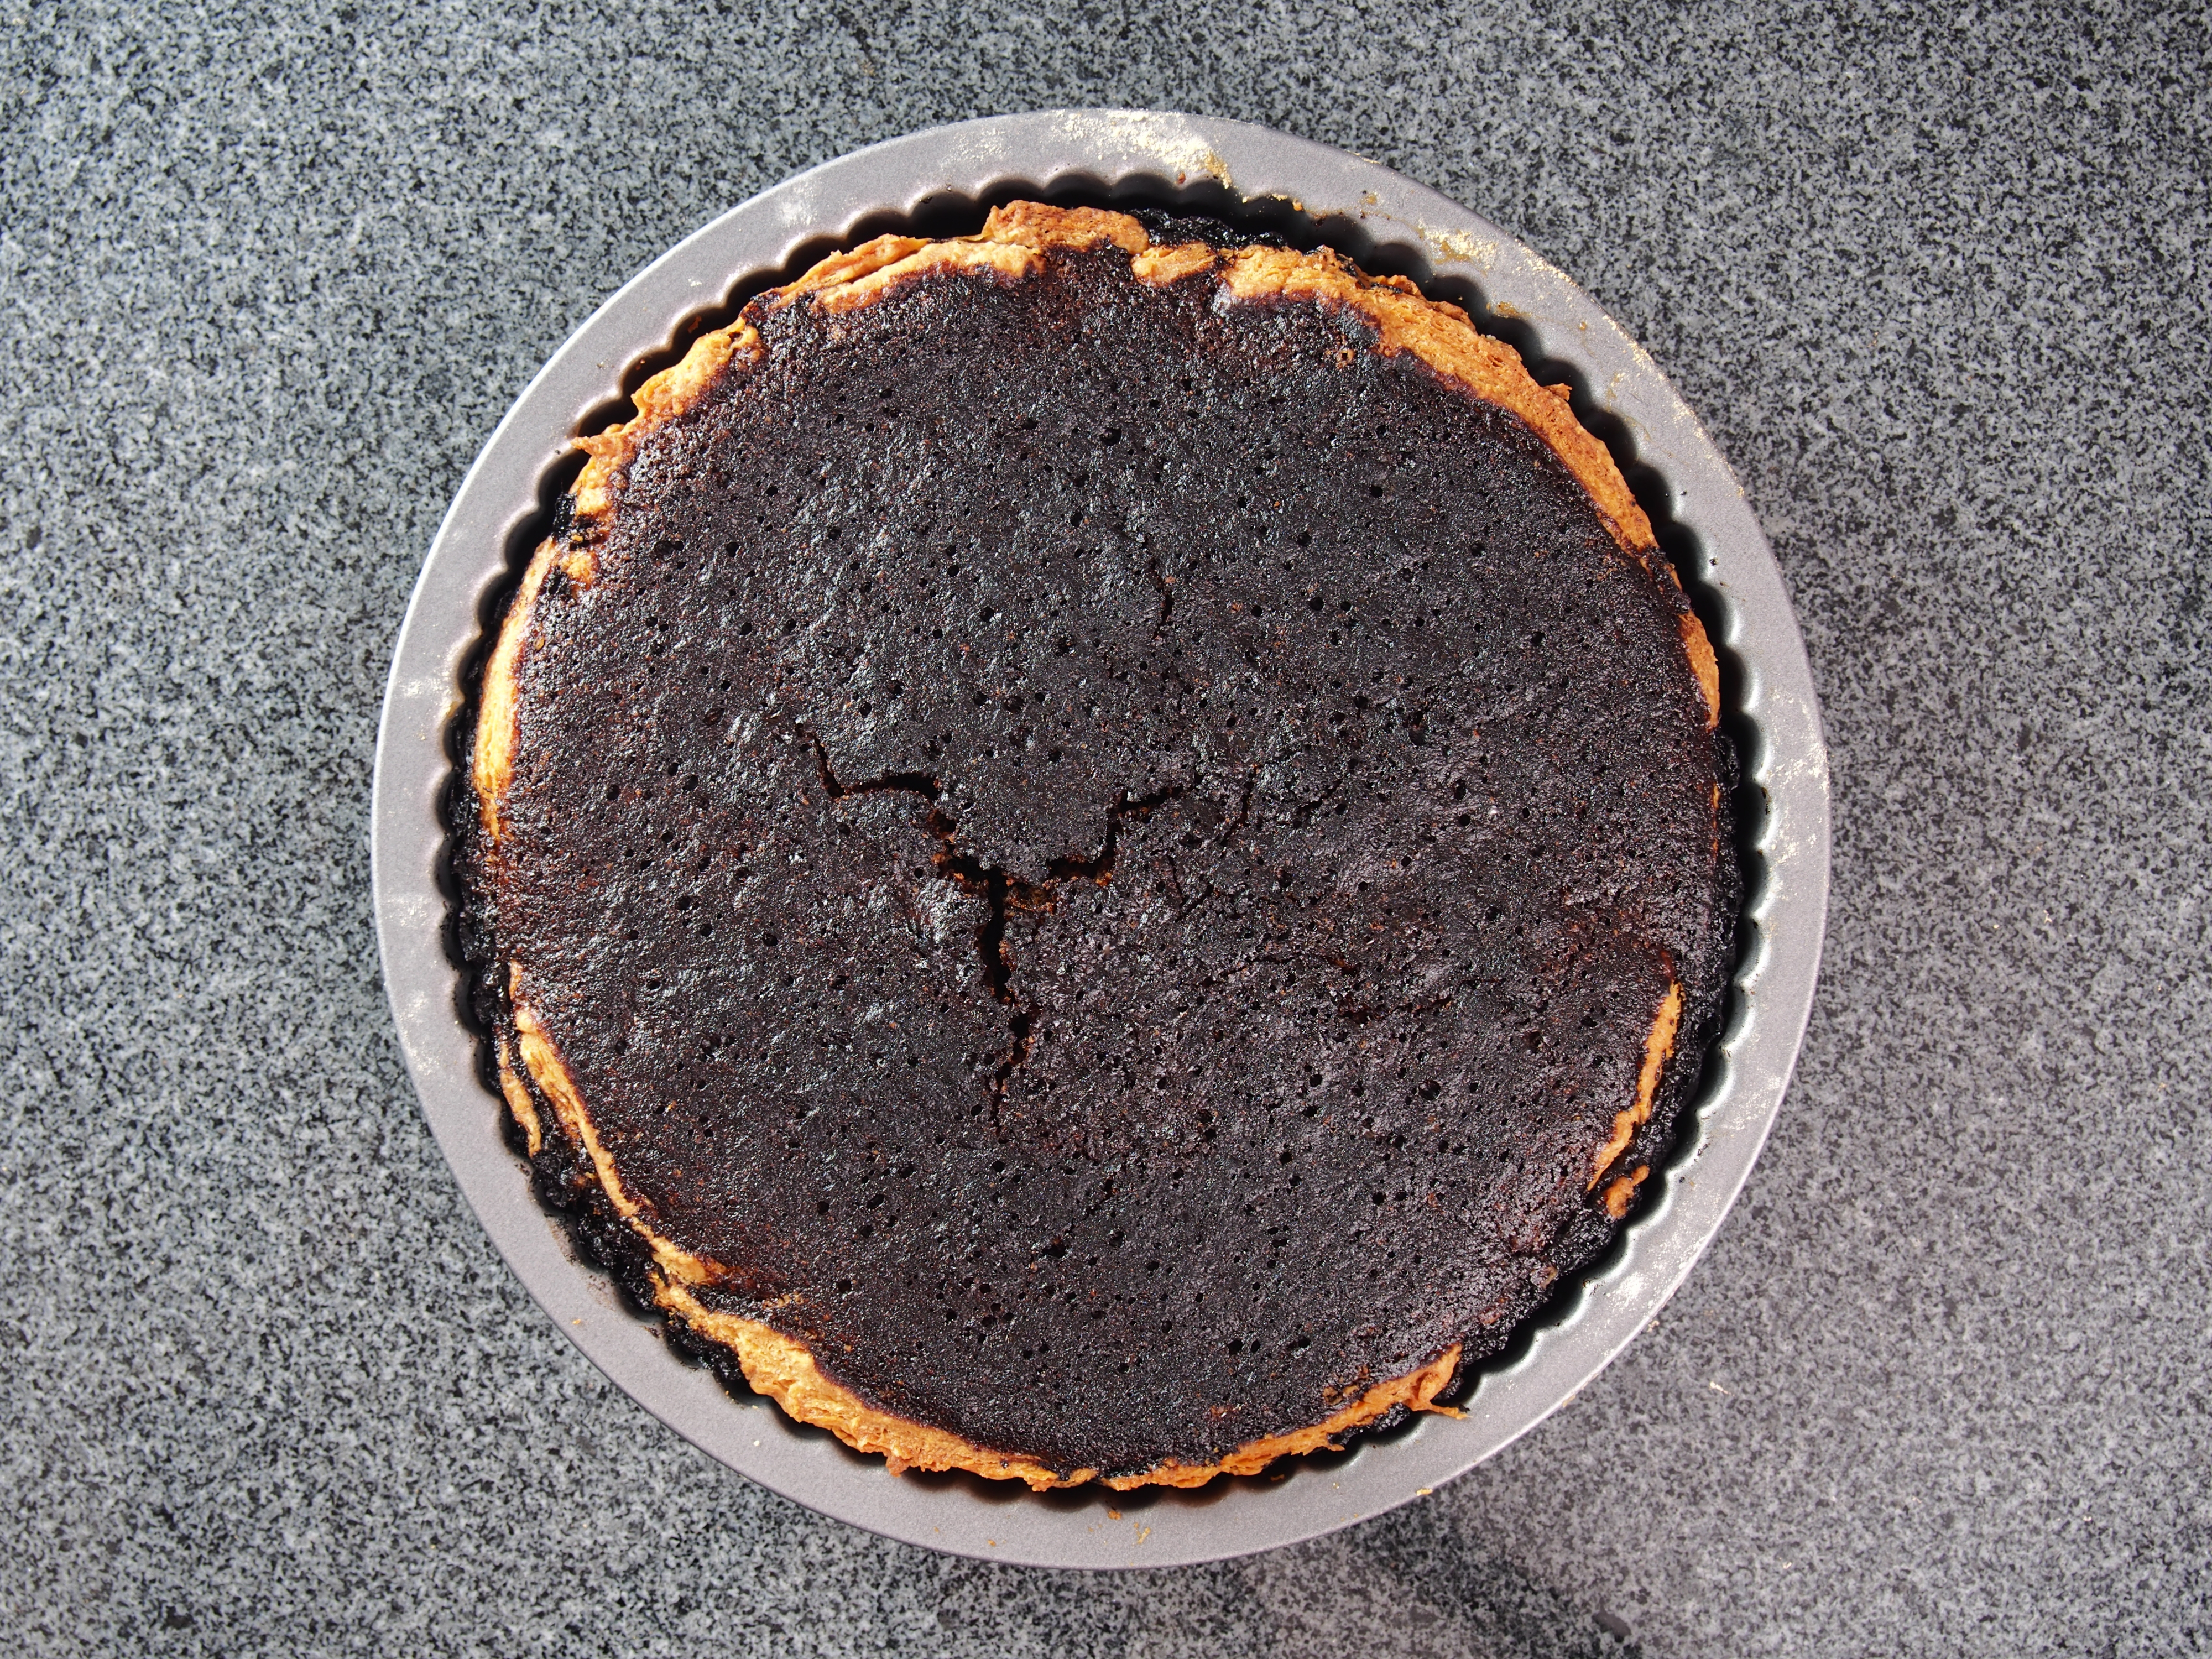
[{"x": 534, "y": 1077}]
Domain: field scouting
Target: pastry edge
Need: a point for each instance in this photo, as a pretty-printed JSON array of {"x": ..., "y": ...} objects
[{"x": 1012, "y": 246}]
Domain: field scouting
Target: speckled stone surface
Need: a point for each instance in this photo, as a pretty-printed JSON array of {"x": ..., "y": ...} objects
[{"x": 1939, "y": 287}]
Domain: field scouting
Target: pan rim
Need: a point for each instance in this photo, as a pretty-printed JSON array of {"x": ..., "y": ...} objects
[{"x": 1197, "y": 162}]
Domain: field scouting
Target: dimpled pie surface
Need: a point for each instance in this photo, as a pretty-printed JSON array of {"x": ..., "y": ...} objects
[{"x": 1089, "y": 857}]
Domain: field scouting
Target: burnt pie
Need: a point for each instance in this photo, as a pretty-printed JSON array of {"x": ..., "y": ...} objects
[{"x": 1097, "y": 850}]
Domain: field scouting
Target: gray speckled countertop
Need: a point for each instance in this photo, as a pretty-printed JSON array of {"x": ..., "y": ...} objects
[{"x": 1938, "y": 287}]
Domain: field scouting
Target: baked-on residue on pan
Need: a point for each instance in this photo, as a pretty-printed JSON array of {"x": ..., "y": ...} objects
[{"x": 1097, "y": 856}]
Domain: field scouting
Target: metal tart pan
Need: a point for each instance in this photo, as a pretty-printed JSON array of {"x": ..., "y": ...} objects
[{"x": 937, "y": 179}]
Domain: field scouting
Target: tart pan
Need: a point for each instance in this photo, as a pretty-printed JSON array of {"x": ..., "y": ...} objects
[{"x": 940, "y": 181}]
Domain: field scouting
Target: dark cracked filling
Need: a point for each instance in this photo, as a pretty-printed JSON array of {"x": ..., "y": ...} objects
[{"x": 1113, "y": 854}]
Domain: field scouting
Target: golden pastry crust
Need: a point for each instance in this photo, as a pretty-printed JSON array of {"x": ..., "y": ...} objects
[
  {"x": 1658, "y": 1049},
  {"x": 1011, "y": 247},
  {"x": 532, "y": 1073},
  {"x": 1010, "y": 244}
]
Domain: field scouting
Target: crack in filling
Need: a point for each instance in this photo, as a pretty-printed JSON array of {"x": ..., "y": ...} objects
[
  {"x": 1164, "y": 585},
  {"x": 1002, "y": 891}
]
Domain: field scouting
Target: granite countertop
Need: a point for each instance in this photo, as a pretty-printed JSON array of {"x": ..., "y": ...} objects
[{"x": 1937, "y": 286}]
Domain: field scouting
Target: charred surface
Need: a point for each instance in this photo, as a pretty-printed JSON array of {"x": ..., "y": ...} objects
[{"x": 1278, "y": 807}]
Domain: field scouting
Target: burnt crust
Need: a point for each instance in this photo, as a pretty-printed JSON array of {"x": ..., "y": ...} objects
[{"x": 748, "y": 1311}]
